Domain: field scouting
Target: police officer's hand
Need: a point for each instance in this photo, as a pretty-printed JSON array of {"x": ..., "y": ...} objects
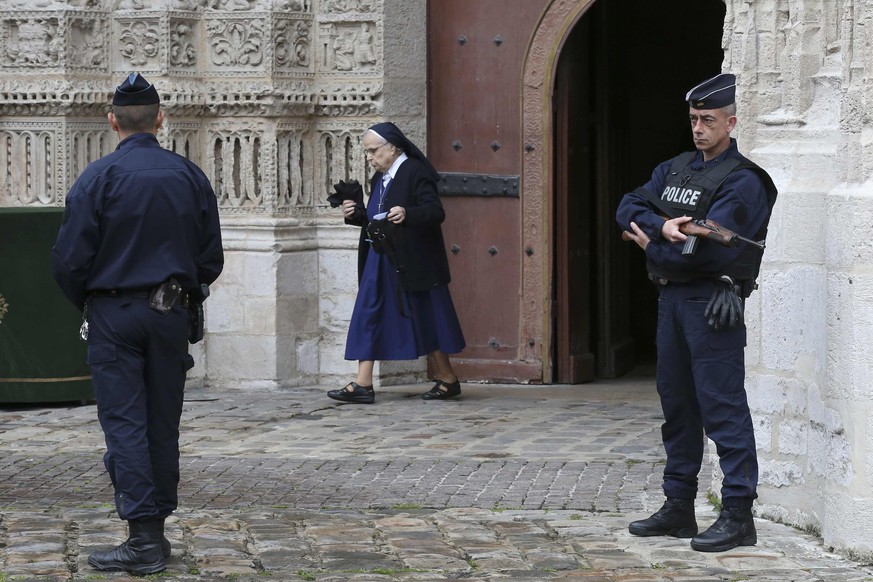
[
  {"x": 670, "y": 229},
  {"x": 637, "y": 235}
]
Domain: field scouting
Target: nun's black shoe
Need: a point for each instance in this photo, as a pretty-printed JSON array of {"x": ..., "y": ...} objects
[
  {"x": 355, "y": 393},
  {"x": 443, "y": 390}
]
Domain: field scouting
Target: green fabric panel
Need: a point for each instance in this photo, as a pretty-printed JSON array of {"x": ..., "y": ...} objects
[{"x": 42, "y": 358}]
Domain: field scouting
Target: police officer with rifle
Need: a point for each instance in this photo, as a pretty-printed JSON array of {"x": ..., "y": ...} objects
[{"x": 701, "y": 221}]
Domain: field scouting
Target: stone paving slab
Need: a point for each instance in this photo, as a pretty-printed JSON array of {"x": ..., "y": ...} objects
[
  {"x": 518, "y": 483},
  {"x": 448, "y": 544}
]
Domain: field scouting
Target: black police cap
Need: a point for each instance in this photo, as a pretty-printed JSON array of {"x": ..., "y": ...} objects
[
  {"x": 715, "y": 93},
  {"x": 135, "y": 91}
]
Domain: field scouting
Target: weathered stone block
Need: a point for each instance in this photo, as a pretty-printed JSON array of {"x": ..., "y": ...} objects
[
  {"x": 766, "y": 394},
  {"x": 763, "y": 432},
  {"x": 793, "y": 436},
  {"x": 794, "y": 324},
  {"x": 779, "y": 473},
  {"x": 847, "y": 523}
]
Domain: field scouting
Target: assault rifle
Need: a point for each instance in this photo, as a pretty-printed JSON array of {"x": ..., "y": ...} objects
[{"x": 711, "y": 230}]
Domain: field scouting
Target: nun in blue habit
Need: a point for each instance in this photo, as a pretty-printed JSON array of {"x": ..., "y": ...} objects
[{"x": 403, "y": 309}]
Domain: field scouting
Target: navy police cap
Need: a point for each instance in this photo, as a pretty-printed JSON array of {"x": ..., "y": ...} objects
[
  {"x": 715, "y": 93},
  {"x": 135, "y": 91}
]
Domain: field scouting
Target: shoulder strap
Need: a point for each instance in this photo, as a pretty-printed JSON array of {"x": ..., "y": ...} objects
[
  {"x": 769, "y": 185},
  {"x": 682, "y": 161},
  {"x": 656, "y": 202}
]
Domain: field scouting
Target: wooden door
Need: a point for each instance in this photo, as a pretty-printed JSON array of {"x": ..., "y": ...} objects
[
  {"x": 576, "y": 175},
  {"x": 476, "y": 50}
]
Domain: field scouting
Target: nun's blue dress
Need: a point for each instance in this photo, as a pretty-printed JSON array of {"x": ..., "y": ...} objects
[{"x": 379, "y": 330}]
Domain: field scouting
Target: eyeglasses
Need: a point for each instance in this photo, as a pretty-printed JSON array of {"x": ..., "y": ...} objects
[{"x": 372, "y": 151}]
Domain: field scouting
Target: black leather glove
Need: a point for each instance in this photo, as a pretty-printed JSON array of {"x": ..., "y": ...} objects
[
  {"x": 350, "y": 190},
  {"x": 725, "y": 307}
]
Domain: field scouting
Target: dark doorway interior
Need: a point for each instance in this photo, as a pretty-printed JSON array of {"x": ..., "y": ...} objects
[{"x": 619, "y": 110}]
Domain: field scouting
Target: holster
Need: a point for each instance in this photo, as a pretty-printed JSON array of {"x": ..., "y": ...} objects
[
  {"x": 195, "y": 326},
  {"x": 195, "y": 309},
  {"x": 163, "y": 297}
]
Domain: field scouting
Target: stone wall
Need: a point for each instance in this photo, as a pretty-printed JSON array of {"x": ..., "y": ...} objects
[
  {"x": 804, "y": 74},
  {"x": 270, "y": 98}
]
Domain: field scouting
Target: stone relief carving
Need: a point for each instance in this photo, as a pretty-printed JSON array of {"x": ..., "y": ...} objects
[
  {"x": 231, "y": 5},
  {"x": 31, "y": 42},
  {"x": 293, "y": 5},
  {"x": 338, "y": 99},
  {"x": 234, "y": 169},
  {"x": 348, "y": 46},
  {"x": 364, "y": 52},
  {"x": 191, "y": 5},
  {"x": 294, "y": 159},
  {"x": 344, "y": 50},
  {"x": 184, "y": 139},
  {"x": 27, "y": 4},
  {"x": 88, "y": 43},
  {"x": 29, "y": 160},
  {"x": 340, "y": 156},
  {"x": 292, "y": 44},
  {"x": 236, "y": 43},
  {"x": 140, "y": 42},
  {"x": 183, "y": 44},
  {"x": 358, "y": 6},
  {"x": 88, "y": 142}
]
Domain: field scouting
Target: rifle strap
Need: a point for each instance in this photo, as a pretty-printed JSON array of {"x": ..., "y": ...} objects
[{"x": 656, "y": 202}]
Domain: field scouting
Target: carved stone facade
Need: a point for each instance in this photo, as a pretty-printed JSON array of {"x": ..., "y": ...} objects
[{"x": 270, "y": 98}]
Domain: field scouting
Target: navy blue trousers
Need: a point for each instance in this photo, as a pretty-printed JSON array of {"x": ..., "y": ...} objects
[
  {"x": 700, "y": 378},
  {"x": 138, "y": 361}
]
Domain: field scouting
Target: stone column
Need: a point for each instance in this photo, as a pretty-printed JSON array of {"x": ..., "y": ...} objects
[{"x": 804, "y": 86}]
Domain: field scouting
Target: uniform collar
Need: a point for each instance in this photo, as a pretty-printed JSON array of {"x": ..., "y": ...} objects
[
  {"x": 139, "y": 140},
  {"x": 730, "y": 152}
]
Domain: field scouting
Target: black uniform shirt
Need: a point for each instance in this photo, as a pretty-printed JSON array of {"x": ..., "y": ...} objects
[{"x": 135, "y": 218}]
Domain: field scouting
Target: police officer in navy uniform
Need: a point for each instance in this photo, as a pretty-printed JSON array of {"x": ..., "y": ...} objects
[
  {"x": 700, "y": 369},
  {"x": 140, "y": 234}
]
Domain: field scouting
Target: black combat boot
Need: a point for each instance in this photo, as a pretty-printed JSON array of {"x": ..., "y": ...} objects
[
  {"x": 165, "y": 543},
  {"x": 141, "y": 554},
  {"x": 675, "y": 518},
  {"x": 734, "y": 527}
]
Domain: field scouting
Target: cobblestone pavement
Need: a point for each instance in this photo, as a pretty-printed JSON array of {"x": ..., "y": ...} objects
[{"x": 509, "y": 482}]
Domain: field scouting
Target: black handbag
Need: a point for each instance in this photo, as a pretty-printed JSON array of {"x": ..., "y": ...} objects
[
  {"x": 385, "y": 237},
  {"x": 381, "y": 234}
]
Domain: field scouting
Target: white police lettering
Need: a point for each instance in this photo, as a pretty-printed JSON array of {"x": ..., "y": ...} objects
[{"x": 685, "y": 196}]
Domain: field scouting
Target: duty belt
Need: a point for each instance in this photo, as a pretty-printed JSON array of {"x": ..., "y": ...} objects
[
  {"x": 139, "y": 293},
  {"x": 658, "y": 280}
]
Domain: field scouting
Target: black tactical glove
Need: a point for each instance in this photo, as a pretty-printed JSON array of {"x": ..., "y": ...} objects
[
  {"x": 350, "y": 190},
  {"x": 725, "y": 308}
]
